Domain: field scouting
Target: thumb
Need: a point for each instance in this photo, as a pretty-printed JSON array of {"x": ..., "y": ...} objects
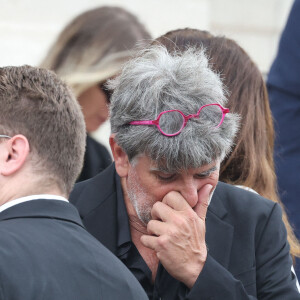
[{"x": 203, "y": 199}]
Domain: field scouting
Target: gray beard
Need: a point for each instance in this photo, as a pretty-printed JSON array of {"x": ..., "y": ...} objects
[{"x": 135, "y": 191}]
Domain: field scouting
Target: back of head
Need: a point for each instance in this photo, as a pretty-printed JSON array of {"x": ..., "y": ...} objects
[
  {"x": 251, "y": 161},
  {"x": 94, "y": 46},
  {"x": 156, "y": 81},
  {"x": 36, "y": 104}
]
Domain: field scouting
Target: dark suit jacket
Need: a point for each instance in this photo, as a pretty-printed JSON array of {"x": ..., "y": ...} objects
[
  {"x": 284, "y": 93},
  {"x": 46, "y": 254},
  {"x": 248, "y": 255}
]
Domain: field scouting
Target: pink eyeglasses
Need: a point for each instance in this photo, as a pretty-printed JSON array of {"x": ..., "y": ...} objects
[{"x": 171, "y": 122}]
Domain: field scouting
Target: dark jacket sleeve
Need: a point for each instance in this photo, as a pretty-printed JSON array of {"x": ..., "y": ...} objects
[
  {"x": 272, "y": 273},
  {"x": 284, "y": 92}
]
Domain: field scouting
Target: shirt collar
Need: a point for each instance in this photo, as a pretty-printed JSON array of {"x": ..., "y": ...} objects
[{"x": 29, "y": 198}]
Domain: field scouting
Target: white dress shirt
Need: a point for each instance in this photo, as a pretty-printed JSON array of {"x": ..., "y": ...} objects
[{"x": 30, "y": 198}]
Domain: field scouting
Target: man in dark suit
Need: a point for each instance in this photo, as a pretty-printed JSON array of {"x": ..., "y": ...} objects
[
  {"x": 45, "y": 252},
  {"x": 160, "y": 209}
]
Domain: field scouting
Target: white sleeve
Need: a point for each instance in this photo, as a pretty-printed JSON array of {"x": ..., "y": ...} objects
[{"x": 297, "y": 283}]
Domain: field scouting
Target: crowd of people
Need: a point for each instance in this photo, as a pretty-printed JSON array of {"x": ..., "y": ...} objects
[{"x": 189, "y": 206}]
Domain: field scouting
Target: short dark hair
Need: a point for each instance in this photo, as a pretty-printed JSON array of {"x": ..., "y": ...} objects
[{"x": 36, "y": 103}]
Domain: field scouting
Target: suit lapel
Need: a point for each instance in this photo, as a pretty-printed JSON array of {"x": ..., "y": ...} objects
[
  {"x": 219, "y": 233},
  {"x": 102, "y": 223},
  {"x": 97, "y": 205}
]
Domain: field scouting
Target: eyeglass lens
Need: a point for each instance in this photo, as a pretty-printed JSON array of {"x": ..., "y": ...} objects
[
  {"x": 172, "y": 122},
  {"x": 211, "y": 115}
]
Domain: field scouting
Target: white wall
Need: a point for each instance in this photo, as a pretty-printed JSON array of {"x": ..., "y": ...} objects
[
  {"x": 28, "y": 27},
  {"x": 255, "y": 24}
]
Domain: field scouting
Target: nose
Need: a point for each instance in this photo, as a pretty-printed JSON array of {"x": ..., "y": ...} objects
[{"x": 189, "y": 191}]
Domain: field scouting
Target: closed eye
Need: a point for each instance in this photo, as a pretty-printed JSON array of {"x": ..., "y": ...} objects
[
  {"x": 206, "y": 174},
  {"x": 165, "y": 177},
  {"x": 202, "y": 175}
]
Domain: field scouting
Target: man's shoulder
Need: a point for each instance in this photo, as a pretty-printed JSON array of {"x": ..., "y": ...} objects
[
  {"x": 240, "y": 196},
  {"x": 241, "y": 202},
  {"x": 8, "y": 231},
  {"x": 248, "y": 214},
  {"x": 24, "y": 243},
  {"x": 91, "y": 193}
]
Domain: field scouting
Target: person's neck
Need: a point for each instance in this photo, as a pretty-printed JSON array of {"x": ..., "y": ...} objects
[
  {"x": 137, "y": 229},
  {"x": 14, "y": 190}
]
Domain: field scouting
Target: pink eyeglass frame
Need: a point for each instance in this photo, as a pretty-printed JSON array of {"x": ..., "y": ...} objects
[{"x": 186, "y": 118}]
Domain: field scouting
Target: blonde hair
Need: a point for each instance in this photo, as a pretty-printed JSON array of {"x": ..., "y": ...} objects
[{"x": 94, "y": 46}]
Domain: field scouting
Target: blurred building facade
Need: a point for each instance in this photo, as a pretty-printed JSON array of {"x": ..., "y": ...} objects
[{"x": 28, "y": 27}]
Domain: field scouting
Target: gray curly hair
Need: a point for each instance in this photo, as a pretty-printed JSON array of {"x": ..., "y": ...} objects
[{"x": 155, "y": 81}]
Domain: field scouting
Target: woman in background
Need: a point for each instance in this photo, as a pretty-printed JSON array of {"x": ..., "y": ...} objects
[
  {"x": 90, "y": 50},
  {"x": 250, "y": 164}
]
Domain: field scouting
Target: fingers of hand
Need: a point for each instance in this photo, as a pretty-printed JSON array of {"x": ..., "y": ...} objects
[
  {"x": 176, "y": 201},
  {"x": 166, "y": 214},
  {"x": 149, "y": 241},
  {"x": 158, "y": 244},
  {"x": 157, "y": 228},
  {"x": 202, "y": 205},
  {"x": 161, "y": 211}
]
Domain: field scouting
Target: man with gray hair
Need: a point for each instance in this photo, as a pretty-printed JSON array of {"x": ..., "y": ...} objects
[
  {"x": 160, "y": 208},
  {"x": 45, "y": 252}
]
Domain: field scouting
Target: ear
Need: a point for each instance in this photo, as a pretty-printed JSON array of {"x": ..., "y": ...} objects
[
  {"x": 120, "y": 157},
  {"x": 15, "y": 152}
]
